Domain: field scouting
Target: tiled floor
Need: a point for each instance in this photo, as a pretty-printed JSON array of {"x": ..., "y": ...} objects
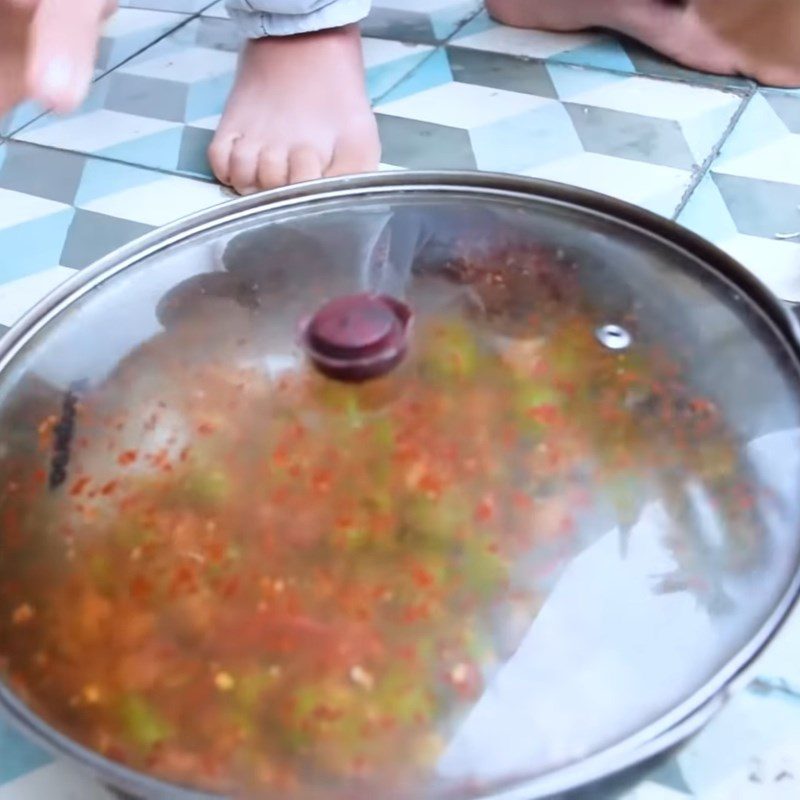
[{"x": 451, "y": 89}]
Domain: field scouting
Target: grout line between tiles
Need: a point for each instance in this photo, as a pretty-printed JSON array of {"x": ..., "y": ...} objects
[
  {"x": 744, "y": 85},
  {"x": 779, "y": 686},
  {"x": 463, "y": 24},
  {"x": 745, "y": 91},
  {"x": 439, "y": 46},
  {"x": 741, "y": 90},
  {"x": 412, "y": 71},
  {"x": 120, "y": 162},
  {"x": 705, "y": 167},
  {"x": 160, "y": 38}
]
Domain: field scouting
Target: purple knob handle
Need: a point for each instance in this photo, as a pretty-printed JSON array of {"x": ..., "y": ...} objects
[{"x": 358, "y": 337}]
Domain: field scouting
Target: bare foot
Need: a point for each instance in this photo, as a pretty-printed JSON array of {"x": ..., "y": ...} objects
[
  {"x": 695, "y": 33},
  {"x": 765, "y": 33},
  {"x": 299, "y": 111},
  {"x": 48, "y": 50}
]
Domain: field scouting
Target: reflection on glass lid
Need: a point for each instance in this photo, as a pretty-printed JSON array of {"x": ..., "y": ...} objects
[{"x": 542, "y": 529}]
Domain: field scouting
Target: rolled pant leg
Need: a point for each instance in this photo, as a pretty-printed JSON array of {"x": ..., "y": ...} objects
[{"x": 259, "y": 18}]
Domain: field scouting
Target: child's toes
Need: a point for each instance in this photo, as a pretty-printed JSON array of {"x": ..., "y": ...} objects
[
  {"x": 305, "y": 164},
  {"x": 273, "y": 167},
  {"x": 219, "y": 155},
  {"x": 355, "y": 154},
  {"x": 244, "y": 165}
]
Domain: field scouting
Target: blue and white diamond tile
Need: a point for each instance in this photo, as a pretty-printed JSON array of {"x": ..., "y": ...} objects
[
  {"x": 389, "y": 61},
  {"x": 630, "y": 136},
  {"x": 217, "y": 9},
  {"x": 53, "y": 780},
  {"x": 159, "y": 109},
  {"x": 750, "y": 752},
  {"x": 131, "y": 30},
  {"x": 18, "y": 757},
  {"x": 588, "y": 49},
  {"x": 485, "y": 35},
  {"x": 422, "y": 21},
  {"x": 749, "y": 203},
  {"x": 128, "y": 32},
  {"x": 60, "y": 211}
]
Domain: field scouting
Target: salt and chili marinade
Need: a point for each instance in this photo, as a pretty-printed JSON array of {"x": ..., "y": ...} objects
[{"x": 295, "y": 586}]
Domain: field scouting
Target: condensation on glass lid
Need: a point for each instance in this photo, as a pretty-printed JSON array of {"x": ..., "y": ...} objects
[{"x": 478, "y": 568}]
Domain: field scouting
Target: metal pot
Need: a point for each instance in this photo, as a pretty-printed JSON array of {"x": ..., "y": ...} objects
[{"x": 619, "y": 664}]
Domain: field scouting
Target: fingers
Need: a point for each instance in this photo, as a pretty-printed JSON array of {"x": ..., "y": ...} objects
[{"x": 62, "y": 50}]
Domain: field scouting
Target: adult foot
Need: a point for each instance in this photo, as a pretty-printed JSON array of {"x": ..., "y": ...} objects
[
  {"x": 298, "y": 111},
  {"x": 687, "y": 31},
  {"x": 48, "y": 50},
  {"x": 765, "y": 34}
]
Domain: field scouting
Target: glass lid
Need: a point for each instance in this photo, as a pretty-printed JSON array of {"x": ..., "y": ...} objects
[{"x": 393, "y": 489}]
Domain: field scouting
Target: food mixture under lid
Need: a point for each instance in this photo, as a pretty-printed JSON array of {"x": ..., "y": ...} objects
[{"x": 556, "y": 514}]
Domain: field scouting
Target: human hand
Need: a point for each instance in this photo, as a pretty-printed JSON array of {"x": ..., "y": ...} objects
[{"x": 57, "y": 61}]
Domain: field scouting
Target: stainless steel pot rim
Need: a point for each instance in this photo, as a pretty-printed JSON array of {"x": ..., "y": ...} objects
[{"x": 669, "y": 730}]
